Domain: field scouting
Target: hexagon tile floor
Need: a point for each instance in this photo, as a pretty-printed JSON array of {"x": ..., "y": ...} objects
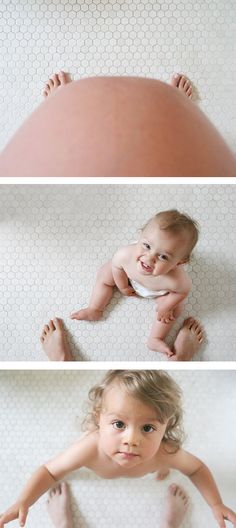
[
  {"x": 149, "y": 38},
  {"x": 40, "y": 415},
  {"x": 53, "y": 238}
]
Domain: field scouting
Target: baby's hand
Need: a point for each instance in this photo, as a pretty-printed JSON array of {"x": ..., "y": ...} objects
[
  {"x": 128, "y": 291},
  {"x": 18, "y": 511},
  {"x": 165, "y": 316},
  {"x": 221, "y": 512}
]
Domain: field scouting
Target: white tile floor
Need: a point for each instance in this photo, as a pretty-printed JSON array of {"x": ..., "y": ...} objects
[
  {"x": 117, "y": 37},
  {"x": 40, "y": 415},
  {"x": 53, "y": 238}
]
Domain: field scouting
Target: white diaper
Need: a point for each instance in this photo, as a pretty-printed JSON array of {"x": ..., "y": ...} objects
[{"x": 144, "y": 292}]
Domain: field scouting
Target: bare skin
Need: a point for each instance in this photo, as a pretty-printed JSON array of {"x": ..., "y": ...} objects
[
  {"x": 154, "y": 262},
  {"x": 59, "y": 507},
  {"x": 187, "y": 343},
  {"x": 176, "y": 506},
  {"x": 127, "y": 442},
  {"x": 58, "y": 80},
  {"x": 117, "y": 127},
  {"x": 188, "y": 340},
  {"x": 54, "y": 341}
]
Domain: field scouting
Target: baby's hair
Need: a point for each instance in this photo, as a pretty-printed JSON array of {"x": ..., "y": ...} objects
[
  {"x": 154, "y": 388},
  {"x": 176, "y": 222}
]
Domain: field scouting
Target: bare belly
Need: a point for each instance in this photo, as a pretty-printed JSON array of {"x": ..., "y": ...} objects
[{"x": 117, "y": 126}]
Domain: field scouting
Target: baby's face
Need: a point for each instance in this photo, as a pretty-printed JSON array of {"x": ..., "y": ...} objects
[
  {"x": 129, "y": 430},
  {"x": 158, "y": 251}
]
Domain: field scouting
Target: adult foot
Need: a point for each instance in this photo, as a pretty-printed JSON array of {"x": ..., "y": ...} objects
[
  {"x": 58, "y": 505},
  {"x": 88, "y": 314},
  {"x": 182, "y": 83},
  {"x": 176, "y": 505},
  {"x": 188, "y": 340},
  {"x": 56, "y": 81},
  {"x": 54, "y": 341}
]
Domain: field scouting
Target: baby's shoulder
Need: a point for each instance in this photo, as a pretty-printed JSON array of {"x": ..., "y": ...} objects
[{"x": 122, "y": 254}]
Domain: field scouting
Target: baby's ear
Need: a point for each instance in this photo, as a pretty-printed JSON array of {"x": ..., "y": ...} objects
[
  {"x": 96, "y": 417},
  {"x": 184, "y": 261}
]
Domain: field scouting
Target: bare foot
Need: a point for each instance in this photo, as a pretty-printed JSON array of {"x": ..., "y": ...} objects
[
  {"x": 157, "y": 345},
  {"x": 162, "y": 473},
  {"x": 58, "y": 505},
  {"x": 88, "y": 314},
  {"x": 188, "y": 340},
  {"x": 54, "y": 341},
  {"x": 175, "y": 507},
  {"x": 58, "y": 80},
  {"x": 182, "y": 83}
]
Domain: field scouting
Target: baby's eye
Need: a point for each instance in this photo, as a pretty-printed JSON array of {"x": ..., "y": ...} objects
[
  {"x": 163, "y": 257},
  {"x": 148, "y": 428},
  {"x": 146, "y": 245},
  {"x": 118, "y": 424}
]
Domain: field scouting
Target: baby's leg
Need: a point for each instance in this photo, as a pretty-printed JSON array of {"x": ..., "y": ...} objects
[
  {"x": 101, "y": 295},
  {"x": 59, "y": 507},
  {"x": 159, "y": 332}
]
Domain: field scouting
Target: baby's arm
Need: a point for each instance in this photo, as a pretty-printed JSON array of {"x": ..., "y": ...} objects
[
  {"x": 119, "y": 274},
  {"x": 39, "y": 483},
  {"x": 46, "y": 476},
  {"x": 202, "y": 478}
]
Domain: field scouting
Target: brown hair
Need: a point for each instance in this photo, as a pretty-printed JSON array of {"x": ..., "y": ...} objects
[
  {"x": 155, "y": 388},
  {"x": 176, "y": 222}
]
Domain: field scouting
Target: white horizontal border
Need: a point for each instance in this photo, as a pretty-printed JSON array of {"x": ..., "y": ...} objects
[
  {"x": 118, "y": 180},
  {"x": 118, "y": 365}
]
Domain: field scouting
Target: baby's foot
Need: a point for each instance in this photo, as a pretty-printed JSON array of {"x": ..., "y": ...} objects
[
  {"x": 157, "y": 345},
  {"x": 182, "y": 83},
  {"x": 176, "y": 506},
  {"x": 58, "y": 505},
  {"x": 162, "y": 473},
  {"x": 54, "y": 341},
  {"x": 57, "y": 80},
  {"x": 88, "y": 314},
  {"x": 188, "y": 340}
]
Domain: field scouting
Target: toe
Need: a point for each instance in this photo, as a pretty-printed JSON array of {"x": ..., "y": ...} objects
[
  {"x": 188, "y": 322},
  {"x": 51, "y": 325},
  {"x": 182, "y": 82},
  {"x": 46, "y": 329},
  {"x": 58, "y": 323},
  {"x": 56, "y": 81},
  {"x": 50, "y": 84},
  {"x": 172, "y": 489},
  {"x": 42, "y": 338},
  {"x": 175, "y": 79},
  {"x": 64, "y": 77}
]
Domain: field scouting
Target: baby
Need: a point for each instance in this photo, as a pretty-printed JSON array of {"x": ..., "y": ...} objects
[
  {"x": 134, "y": 427},
  {"x": 152, "y": 267}
]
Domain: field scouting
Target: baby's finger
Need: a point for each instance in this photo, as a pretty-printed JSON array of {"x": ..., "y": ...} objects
[{"x": 23, "y": 515}]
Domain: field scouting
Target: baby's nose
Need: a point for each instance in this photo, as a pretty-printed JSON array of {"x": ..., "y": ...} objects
[{"x": 131, "y": 438}]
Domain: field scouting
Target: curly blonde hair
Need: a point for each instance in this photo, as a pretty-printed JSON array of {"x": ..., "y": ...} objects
[{"x": 154, "y": 388}]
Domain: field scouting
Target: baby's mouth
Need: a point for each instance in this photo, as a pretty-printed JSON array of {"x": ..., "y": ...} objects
[
  {"x": 128, "y": 455},
  {"x": 145, "y": 267}
]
